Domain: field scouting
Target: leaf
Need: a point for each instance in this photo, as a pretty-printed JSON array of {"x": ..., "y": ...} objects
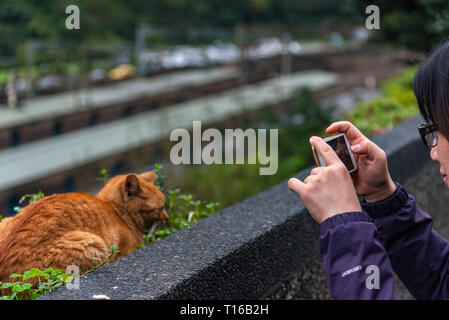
[
  {"x": 18, "y": 287},
  {"x": 57, "y": 285},
  {"x": 33, "y": 272},
  {"x": 12, "y": 296},
  {"x": 34, "y": 295},
  {"x": 27, "y": 286},
  {"x": 16, "y": 275},
  {"x": 43, "y": 286},
  {"x": 55, "y": 272},
  {"x": 7, "y": 285}
]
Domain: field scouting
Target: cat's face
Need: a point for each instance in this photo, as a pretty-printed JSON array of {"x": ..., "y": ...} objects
[{"x": 140, "y": 196}]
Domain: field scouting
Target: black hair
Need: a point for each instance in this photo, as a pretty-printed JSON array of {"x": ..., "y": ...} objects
[{"x": 431, "y": 87}]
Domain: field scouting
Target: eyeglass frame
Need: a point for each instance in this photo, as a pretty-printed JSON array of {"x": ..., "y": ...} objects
[{"x": 425, "y": 129}]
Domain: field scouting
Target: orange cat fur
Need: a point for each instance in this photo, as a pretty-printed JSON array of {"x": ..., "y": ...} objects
[{"x": 73, "y": 228}]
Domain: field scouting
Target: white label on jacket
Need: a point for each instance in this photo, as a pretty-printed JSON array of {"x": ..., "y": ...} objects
[{"x": 352, "y": 270}]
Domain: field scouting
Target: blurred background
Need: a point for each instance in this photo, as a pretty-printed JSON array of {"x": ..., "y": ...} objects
[{"x": 79, "y": 106}]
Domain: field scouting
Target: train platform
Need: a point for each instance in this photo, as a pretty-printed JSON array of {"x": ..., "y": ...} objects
[
  {"x": 33, "y": 161},
  {"x": 62, "y": 104}
]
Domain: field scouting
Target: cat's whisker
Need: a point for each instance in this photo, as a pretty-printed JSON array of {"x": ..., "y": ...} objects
[
  {"x": 153, "y": 227},
  {"x": 190, "y": 216}
]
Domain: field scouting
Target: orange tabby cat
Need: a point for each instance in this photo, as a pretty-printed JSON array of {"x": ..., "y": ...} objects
[{"x": 73, "y": 228}]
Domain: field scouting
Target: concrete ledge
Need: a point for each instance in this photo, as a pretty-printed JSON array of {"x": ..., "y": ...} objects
[{"x": 246, "y": 251}]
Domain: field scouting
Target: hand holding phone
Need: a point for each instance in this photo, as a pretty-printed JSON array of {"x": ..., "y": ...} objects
[
  {"x": 328, "y": 190},
  {"x": 372, "y": 179},
  {"x": 340, "y": 144}
]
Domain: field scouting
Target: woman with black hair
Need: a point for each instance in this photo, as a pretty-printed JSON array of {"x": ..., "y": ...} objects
[{"x": 361, "y": 248}]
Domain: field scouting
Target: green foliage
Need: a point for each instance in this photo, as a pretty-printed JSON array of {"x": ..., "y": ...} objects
[
  {"x": 396, "y": 103},
  {"x": 33, "y": 197},
  {"x": 112, "y": 20},
  {"x": 183, "y": 211},
  {"x": 105, "y": 175},
  {"x": 109, "y": 255},
  {"x": 160, "y": 176},
  {"x": 48, "y": 280},
  {"x": 4, "y": 77},
  {"x": 415, "y": 24}
]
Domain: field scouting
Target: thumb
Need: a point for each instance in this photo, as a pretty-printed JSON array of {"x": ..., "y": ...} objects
[{"x": 296, "y": 185}]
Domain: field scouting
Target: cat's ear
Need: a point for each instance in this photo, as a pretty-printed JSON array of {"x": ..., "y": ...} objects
[
  {"x": 149, "y": 176},
  {"x": 132, "y": 185}
]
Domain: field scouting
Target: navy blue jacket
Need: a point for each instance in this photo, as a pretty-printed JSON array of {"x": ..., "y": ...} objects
[{"x": 360, "y": 250}]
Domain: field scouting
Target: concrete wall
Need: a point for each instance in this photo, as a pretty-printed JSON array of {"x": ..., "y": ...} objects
[{"x": 265, "y": 247}]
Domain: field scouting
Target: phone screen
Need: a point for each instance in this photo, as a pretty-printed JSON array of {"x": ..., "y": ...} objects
[{"x": 341, "y": 149}]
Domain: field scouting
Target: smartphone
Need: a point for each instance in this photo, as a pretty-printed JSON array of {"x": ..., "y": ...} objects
[{"x": 340, "y": 144}]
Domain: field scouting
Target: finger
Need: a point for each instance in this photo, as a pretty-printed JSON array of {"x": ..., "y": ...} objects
[
  {"x": 316, "y": 171},
  {"x": 296, "y": 185},
  {"x": 367, "y": 148},
  {"x": 308, "y": 179},
  {"x": 346, "y": 127},
  {"x": 327, "y": 153}
]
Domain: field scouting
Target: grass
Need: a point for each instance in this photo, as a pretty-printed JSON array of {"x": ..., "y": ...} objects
[
  {"x": 396, "y": 103},
  {"x": 183, "y": 210}
]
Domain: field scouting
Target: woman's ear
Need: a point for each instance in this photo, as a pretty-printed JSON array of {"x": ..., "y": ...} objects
[
  {"x": 149, "y": 176},
  {"x": 132, "y": 185}
]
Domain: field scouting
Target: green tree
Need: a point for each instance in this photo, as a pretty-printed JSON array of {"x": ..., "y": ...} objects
[
  {"x": 415, "y": 24},
  {"x": 21, "y": 20}
]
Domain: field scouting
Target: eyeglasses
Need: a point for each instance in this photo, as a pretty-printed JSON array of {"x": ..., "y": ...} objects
[{"x": 428, "y": 134}]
